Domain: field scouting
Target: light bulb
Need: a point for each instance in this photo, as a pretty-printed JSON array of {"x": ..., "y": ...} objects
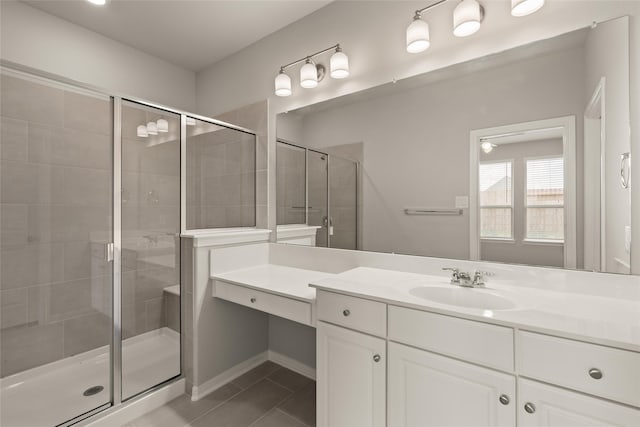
[
  {"x": 418, "y": 35},
  {"x": 525, "y": 7},
  {"x": 308, "y": 75},
  {"x": 339, "y": 64},
  {"x": 283, "y": 84},
  {"x": 142, "y": 131},
  {"x": 152, "y": 128},
  {"x": 487, "y": 147},
  {"x": 162, "y": 125},
  {"x": 466, "y": 18}
]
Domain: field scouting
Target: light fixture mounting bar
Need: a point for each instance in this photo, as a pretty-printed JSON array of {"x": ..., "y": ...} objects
[
  {"x": 432, "y": 5},
  {"x": 335, "y": 46}
]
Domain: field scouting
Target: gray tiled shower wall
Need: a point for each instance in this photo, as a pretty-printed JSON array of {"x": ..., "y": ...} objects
[{"x": 56, "y": 177}]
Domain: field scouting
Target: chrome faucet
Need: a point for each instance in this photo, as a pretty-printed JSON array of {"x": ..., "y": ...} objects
[{"x": 466, "y": 280}]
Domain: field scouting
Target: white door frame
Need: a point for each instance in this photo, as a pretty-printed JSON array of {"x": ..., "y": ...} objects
[{"x": 568, "y": 130}]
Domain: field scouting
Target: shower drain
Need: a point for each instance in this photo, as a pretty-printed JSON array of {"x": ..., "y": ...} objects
[{"x": 93, "y": 390}]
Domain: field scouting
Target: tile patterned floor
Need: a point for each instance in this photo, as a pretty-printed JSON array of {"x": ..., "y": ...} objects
[{"x": 267, "y": 396}]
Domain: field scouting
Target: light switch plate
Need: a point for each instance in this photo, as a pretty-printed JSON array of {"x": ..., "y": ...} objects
[{"x": 462, "y": 202}]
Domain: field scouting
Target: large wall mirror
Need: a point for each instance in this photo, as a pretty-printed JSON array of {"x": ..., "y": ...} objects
[{"x": 518, "y": 157}]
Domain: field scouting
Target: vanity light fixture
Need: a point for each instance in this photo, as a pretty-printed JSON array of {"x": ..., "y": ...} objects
[
  {"x": 467, "y": 17},
  {"x": 525, "y": 7},
  {"x": 418, "y": 31},
  {"x": 311, "y": 73},
  {"x": 142, "y": 131}
]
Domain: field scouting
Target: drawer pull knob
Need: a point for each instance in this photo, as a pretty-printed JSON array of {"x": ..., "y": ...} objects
[
  {"x": 253, "y": 300},
  {"x": 376, "y": 358},
  {"x": 595, "y": 373},
  {"x": 346, "y": 313},
  {"x": 504, "y": 399},
  {"x": 530, "y": 407}
]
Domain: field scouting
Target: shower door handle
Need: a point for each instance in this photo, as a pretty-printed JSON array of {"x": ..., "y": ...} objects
[
  {"x": 109, "y": 252},
  {"x": 624, "y": 178}
]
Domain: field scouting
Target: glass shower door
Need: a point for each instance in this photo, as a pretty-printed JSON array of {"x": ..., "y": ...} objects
[
  {"x": 150, "y": 209},
  {"x": 56, "y": 198},
  {"x": 318, "y": 207}
]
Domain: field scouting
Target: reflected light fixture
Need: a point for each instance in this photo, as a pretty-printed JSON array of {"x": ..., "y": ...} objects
[
  {"x": 97, "y": 2},
  {"x": 311, "y": 73},
  {"x": 142, "y": 131},
  {"x": 467, "y": 17},
  {"x": 525, "y": 7},
  {"x": 162, "y": 125},
  {"x": 487, "y": 147},
  {"x": 191, "y": 121},
  {"x": 152, "y": 128}
]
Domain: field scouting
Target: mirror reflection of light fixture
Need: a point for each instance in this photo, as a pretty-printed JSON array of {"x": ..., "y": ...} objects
[
  {"x": 97, "y": 2},
  {"x": 312, "y": 73},
  {"x": 418, "y": 35},
  {"x": 525, "y": 7},
  {"x": 152, "y": 128},
  {"x": 162, "y": 125},
  {"x": 191, "y": 121},
  {"x": 467, "y": 17},
  {"x": 142, "y": 131},
  {"x": 487, "y": 147}
]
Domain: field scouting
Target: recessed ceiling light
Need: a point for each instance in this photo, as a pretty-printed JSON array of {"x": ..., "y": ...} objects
[{"x": 97, "y": 2}]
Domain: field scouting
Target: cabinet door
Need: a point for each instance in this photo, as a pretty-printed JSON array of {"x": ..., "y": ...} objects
[
  {"x": 426, "y": 389},
  {"x": 350, "y": 378},
  {"x": 550, "y": 406}
]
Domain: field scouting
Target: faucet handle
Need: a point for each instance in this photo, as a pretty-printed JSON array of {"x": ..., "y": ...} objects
[
  {"x": 455, "y": 274},
  {"x": 479, "y": 277}
]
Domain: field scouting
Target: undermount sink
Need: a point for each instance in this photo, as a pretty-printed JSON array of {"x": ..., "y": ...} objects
[{"x": 463, "y": 297}]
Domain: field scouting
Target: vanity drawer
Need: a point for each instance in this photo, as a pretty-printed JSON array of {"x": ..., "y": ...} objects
[
  {"x": 472, "y": 341},
  {"x": 568, "y": 363},
  {"x": 289, "y": 308},
  {"x": 355, "y": 313}
]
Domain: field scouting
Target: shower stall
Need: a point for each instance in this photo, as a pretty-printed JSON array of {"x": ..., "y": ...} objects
[
  {"x": 92, "y": 204},
  {"x": 318, "y": 189}
]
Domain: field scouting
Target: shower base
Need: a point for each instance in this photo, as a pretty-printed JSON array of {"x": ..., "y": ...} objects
[{"x": 54, "y": 393}]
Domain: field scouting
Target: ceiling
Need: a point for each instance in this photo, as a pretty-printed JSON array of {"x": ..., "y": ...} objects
[{"x": 192, "y": 34}]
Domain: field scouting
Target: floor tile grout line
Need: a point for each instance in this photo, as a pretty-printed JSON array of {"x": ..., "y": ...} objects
[
  {"x": 255, "y": 382},
  {"x": 284, "y": 399},
  {"x": 291, "y": 416},
  {"x": 240, "y": 390}
]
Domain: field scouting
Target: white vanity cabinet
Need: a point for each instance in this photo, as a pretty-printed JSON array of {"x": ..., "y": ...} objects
[
  {"x": 428, "y": 390},
  {"x": 350, "y": 376},
  {"x": 443, "y": 370}
]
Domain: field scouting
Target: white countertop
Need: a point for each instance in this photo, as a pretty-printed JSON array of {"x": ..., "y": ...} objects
[
  {"x": 277, "y": 279},
  {"x": 603, "y": 320}
]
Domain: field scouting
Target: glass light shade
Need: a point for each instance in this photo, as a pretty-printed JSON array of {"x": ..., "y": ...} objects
[
  {"x": 466, "y": 18},
  {"x": 162, "y": 125},
  {"x": 525, "y": 7},
  {"x": 191, "y": 121},
  {"x": 142, "y": 131},
  {"x": 339, "y": 63},
  {"x": 418, "y": 36},
  {"x": 487, "y": 147},
  {"x": 152, "y": 128},
  {"x": 308, "y": 75},
  {"x": 98, "y": 2},
  {"x": 283, "y": 84}
]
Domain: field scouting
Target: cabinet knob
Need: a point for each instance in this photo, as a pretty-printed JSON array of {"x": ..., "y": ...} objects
[
  {"x": 530, "y": 407},
  {"x": 376, "y": 358},
  {"x": 595, "y": 373},
  {"x": 253, "y": 300},
  {"x": 346, "y": 313},
  {"x": 504, "y": 399}
]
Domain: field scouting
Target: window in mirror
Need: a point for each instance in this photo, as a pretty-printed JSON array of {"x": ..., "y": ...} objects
[
  {"x": 221, "y": 176},
  {"x": 545, "y": 199},
  {"x": 496, "y": 200}
]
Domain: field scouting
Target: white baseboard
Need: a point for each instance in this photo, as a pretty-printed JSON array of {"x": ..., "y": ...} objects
[
  {"x": 292, "y": 364},
  {"x": 129, "y": 412},
  {"x": 198, "y": 392}
]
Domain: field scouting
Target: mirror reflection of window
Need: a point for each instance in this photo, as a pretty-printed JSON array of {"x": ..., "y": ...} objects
[
  {"x": 545, "y": 199},
  {"x": 496, "y": 200}
]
